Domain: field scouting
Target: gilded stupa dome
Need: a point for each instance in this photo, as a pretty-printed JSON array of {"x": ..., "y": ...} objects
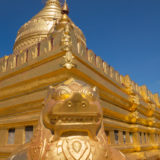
[{"x": 38, "y": 27}]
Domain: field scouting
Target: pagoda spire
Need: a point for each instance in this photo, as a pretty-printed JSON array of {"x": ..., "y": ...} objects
[{"x": 65, "y": 9}]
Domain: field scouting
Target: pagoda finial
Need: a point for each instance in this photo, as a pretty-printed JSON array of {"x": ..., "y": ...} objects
[
  {"x": 65, "y": 9},
  {"x": 52, "y": 1}
]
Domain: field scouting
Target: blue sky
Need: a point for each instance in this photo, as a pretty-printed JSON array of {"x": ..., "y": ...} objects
[{"x": 125, "y": 33}]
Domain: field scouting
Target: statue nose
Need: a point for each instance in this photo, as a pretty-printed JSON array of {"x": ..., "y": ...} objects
[{"x": 77, "y": 97}]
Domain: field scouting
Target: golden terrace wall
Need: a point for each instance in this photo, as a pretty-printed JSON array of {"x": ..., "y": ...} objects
[
  {"x": 131, "y": 125},
  {"x": 12, "y": 63}
]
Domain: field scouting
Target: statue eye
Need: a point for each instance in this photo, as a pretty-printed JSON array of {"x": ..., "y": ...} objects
[
  {"x": 84, "y": 105},
  {"x": 63, "y": 93},
  {"x": 69, "y": 104},
  {"x": 86, "y": 92}
]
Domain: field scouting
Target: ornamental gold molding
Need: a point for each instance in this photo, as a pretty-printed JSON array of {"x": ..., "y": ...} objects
[
  {"x": 13, "y": 61},
  {"x": 133, "y": 96},
  {"x": 4, "y": 63},
  {"x": 135, "y": 101},
  {"x": 151, "y": 109},
  {"x": 67, "y": 45},
  {"x": 133, "y": 117},
  {"x": 145, "y": 94},
  {"x": 151, "y": 121},
  {"x": 66, "y": 37},
  {"x": 128, "y": 85},
  {"x": 69, "y": 60}
]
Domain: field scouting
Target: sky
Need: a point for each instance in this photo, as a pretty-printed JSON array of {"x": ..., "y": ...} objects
[{"x": 124, "y": 33}]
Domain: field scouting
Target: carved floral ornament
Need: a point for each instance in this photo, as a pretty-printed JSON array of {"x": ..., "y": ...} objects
[
  {"x": 133, "y": 117},
  {"x": 135, "y": 102},
  {"x": 150, "y": 109},
  {"x": 67, "y": 45},
  {"x": 69, "y": 60},
  {"x": 151, "y": 121}
]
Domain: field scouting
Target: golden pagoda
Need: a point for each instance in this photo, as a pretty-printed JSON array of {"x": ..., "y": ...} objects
[{"x": 118, "y": 119}]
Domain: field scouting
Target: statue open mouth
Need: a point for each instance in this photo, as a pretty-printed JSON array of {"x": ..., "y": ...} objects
[{"x": 65, "y": 119}]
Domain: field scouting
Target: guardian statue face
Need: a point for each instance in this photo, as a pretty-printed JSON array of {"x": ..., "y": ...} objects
[{"x": 72, "y": 107}]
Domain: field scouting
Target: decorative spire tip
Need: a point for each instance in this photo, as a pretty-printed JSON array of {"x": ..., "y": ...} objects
[{"x": 65, "y": 9}]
